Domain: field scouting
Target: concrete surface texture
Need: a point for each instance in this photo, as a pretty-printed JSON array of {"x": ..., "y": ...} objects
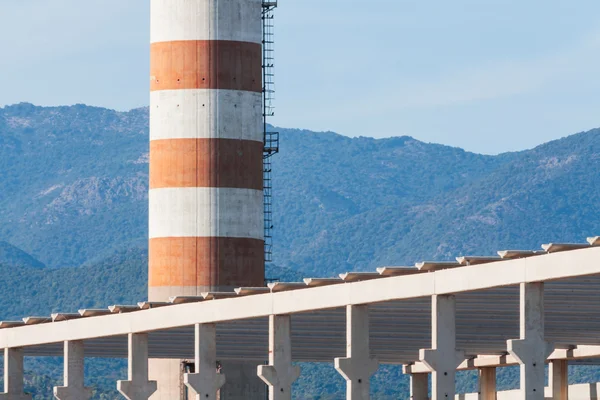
[
  {"x": 206, "y": 380},
  {"x": 280, "y": 374},
  {"x": 358, "y": 366},
  {"x": 13, "y": 375},
  {"x": 443, "y": 357},
  {"x": 73, "y": 373},
  {"x": 137, "y": 386},
  {"x": 206, "y": 211}
]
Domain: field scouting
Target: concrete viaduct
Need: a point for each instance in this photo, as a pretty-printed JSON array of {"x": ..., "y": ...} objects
[{"x": 525, "y": 308}]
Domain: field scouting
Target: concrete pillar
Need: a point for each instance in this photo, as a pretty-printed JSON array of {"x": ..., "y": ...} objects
[
  {"x": 443, "y": 358},
  {"x": 531, "y": 350},
  {"x": 137, "y": 387},
  {"x": 487, "y": 383},
  {"x": 242, "y": 381},
  {"x": 205, "y": 381},
  {"x": 419, "y": 387},
  {"x": 358, "y": 366},
  {"x": 168, "y": 373},
  {"x": 13, "y": 376},
  {"x": 280, "y": 374},
  {"x": 558, "y": 379},
  {"x": 73, "y": 373}
]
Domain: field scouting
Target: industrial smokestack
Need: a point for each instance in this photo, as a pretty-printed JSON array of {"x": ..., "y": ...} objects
[{"x": 206, "y": 146}]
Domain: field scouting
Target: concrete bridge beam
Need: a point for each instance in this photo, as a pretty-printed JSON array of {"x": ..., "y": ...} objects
[
  {"x": 137, "y": 387},
  {"x": 13, "y": 375},
  {"x": 280, "y": 374},
  {"x": 443, "y": 358},
  {"x": 206, "y": 381},
  {"x": 531, "y": 350},
  {"x": 358, "y": 366},
  {"x": 73, "y": 388}
]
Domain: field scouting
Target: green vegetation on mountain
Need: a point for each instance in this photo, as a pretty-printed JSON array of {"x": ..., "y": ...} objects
[
  {"x": 399, "y": 201},
  {"x": 74, "y": 191},
  {"x": 11, "y": 255},
  {"x": 73, "y": 198}
]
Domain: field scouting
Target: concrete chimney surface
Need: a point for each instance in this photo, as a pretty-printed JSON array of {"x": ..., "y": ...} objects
[
  {"x": 206, "y": 142},
  {"x": 206, "y": 228}
]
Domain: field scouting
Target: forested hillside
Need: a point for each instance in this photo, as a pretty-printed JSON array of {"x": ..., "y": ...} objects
[{"x": 73, "y": 214}]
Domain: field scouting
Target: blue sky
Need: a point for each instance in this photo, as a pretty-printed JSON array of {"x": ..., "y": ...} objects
[{"x": 485, "y": 75}]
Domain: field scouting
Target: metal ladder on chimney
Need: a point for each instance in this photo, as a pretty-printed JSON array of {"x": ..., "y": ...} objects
[{"x": 270, "y": 138}]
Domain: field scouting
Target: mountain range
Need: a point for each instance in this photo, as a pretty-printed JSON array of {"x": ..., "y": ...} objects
[
  {"x": 73, "y": 208},
  {"x": 74, "y": 191}
]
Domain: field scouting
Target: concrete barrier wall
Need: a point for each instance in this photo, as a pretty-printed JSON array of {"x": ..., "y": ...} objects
[{"x": 586, "y": 391}]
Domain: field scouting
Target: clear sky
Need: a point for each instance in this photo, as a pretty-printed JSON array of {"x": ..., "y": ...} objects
[{"x": 485, "y": 75}]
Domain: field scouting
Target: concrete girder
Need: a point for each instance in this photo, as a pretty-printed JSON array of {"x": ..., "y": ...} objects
[
  {"x": 73, "y": 388},
  {"x": 280, "y": 374},
  {"x": 206, "y": 381},
  {"x": 358, "y": 366},
  {"x": 531, "y": 350},
  {"x": 137, "y": 387},
  {"x": 13, "y": 375},
  {"x": 443, "y": 358}
]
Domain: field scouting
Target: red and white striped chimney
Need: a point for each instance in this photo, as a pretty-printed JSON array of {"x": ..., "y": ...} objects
[{"x": 206, "y": 142}]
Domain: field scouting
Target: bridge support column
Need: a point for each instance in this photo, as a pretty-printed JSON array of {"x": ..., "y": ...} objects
[
  {"x": 531, "y": 350},
  {"x": 205, "y": 381},
  {"x": 358, "y": 366},
  {"x": 13, "y": 375},
  {"x": 487, "y": 383},
  {"x": 419, "y": 388},
  {"x": 73, "y": 373},
  {"x": 137, "y": 387},
  {"x": 558, "y": 379},
  {"x": 443, "y": 358},
  {"x": 280, "y": 374}
]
